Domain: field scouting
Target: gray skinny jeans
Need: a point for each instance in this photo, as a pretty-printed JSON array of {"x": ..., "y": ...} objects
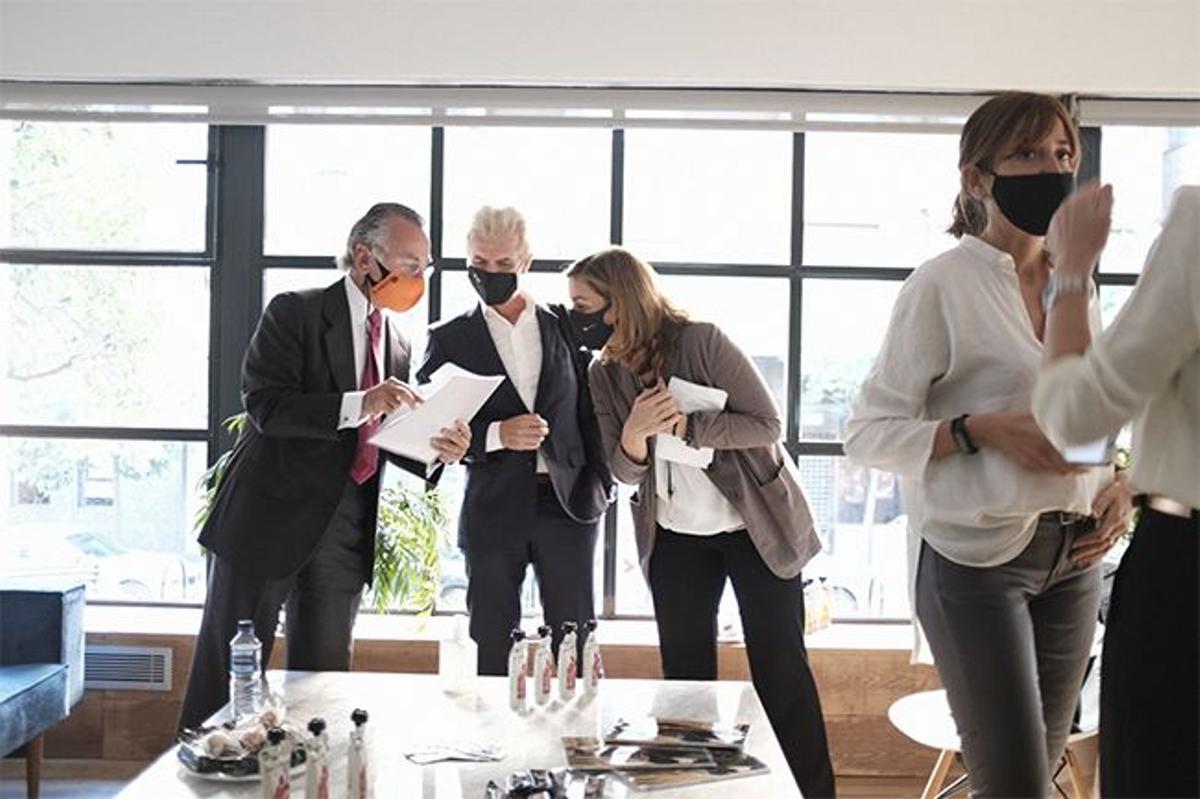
[{"x": 1010, "y": 643}]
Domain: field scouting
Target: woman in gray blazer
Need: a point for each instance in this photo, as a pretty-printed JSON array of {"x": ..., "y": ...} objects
[{"x": 741, "y": 517}]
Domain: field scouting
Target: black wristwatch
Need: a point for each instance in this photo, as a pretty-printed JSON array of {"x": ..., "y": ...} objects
[{"x": 962, "y": 439}]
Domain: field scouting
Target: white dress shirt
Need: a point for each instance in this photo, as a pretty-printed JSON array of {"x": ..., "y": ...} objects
[
  {"x": 520, "y": 348},
  {"x": 960, "y": 341},
  {"x": 1147, "y": 364},
  {"x": 689, "y": 502},
  {"x": 360, "y": 308}
]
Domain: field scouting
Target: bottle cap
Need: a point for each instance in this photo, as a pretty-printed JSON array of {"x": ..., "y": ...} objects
[
  {"x": 590, "y": 625},
  {"x": 359, "y": 717},
  {"x": 516, "y": 635},
  {"x": 569, "y": 626},
  {"x": 276, "y": 735},
  {"x": 246, "y": 624},
  {"x": 316, "y": 726},
  {"x": 462, "y": 627},
  {"x": 545, "y": 631}
]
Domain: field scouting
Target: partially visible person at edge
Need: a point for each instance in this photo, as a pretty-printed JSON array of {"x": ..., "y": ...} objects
[
  {"x": 1145, "y": 367},
  {"x": 293, "y": 520},
  {"x": 1005, "y": 536},
  {"x": 743, "y": 518}
]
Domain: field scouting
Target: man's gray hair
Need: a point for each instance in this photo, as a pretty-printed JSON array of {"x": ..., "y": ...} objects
[
  {"x": 370, "y": 229},
  {"x": 491, "y": 224}
]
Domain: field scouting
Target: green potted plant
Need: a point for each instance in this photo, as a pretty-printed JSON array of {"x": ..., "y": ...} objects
[{"x": 411, "y": 526}]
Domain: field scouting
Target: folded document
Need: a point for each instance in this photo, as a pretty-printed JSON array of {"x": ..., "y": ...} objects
[
  {"x": 691, "y": 398},
  {"x": 453, "y": 393}
]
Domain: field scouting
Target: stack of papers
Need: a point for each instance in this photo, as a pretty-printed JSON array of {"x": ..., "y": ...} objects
[
  {"x": 453, "y": 393},
  {"x": 692, "y": 398}
]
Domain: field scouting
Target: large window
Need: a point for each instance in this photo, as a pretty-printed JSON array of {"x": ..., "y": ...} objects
[
  {"x": 105, "y": 346},
  {"x": 131, "y": 278}
]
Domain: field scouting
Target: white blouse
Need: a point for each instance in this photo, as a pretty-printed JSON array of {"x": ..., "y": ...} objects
[
  {"x": 960, "y": 341},
  {"x": 1147, "y": 364}
]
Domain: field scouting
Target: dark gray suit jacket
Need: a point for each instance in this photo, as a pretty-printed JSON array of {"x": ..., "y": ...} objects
[
  {"x": 501, "y": 490},
  {"x": 290, "y": 464}
]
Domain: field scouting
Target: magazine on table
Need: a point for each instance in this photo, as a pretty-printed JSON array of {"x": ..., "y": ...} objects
[
  {"x": 652, "y": 731},
  {"x": 592, "y": 754},
  {"x": 730, "y": 764}
]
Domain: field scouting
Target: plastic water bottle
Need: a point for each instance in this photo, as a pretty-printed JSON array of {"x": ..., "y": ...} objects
[
  {"x": 458, "y": 659},
  {"x": 245, "y": 671}
]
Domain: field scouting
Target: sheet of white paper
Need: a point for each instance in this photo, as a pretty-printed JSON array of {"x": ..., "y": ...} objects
[
  {"x": 1093, "y": 454},
  {"x": 452, "y": 393},
  {"x": 692, "y": 398}
]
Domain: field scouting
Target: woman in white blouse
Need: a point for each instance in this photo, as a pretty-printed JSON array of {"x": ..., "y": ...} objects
[
  {"x": 1004, "y": 534},
  {"x": 1146, "y": 366}
]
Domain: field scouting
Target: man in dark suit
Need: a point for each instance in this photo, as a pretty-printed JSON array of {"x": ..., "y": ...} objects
[
  {"x": 533, "y": 494},
  {"x": 293, "y": 520}
]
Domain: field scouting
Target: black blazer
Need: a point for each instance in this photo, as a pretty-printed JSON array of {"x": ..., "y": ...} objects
[
  {"x": 501, "y": 489},
  {"x": 290, "y": 464}
]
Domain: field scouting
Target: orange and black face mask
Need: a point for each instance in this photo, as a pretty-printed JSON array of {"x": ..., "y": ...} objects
[{"x": 394, "y": 291}]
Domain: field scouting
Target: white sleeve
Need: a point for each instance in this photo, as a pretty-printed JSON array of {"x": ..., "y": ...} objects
[
  {"x": 351, "y": 412},
  {"x": 1083, "y": 397},
  {"x": 493, "y": 437},
  {"x": 887, "y": 428}
]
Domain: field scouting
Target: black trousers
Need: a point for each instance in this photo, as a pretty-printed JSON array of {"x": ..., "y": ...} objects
[
  {"x": 687, "y": 578},
  {"x": 322, "y": 601},
  {"x": 561, "y": 551},
  {"x": 1149, "y": 673}
]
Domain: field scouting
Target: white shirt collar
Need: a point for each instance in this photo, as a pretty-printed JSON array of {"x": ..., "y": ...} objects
[
  {"x": 359, "y": 305},
  {"x": 529, "y": 309},
  {"x": 988, "y": 253}
]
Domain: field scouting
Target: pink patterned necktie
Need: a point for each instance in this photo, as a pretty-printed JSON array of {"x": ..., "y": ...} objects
[{"x": 366, "y": 458}]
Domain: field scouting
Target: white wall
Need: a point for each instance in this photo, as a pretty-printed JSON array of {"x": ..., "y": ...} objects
[{"x": 1113, "y": 47}]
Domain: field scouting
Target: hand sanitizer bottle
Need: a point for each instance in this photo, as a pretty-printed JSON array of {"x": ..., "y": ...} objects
[
  {"x": 358, "y": 775},
  {"x": 517, "y": 685},
  {"x": 593, "y": 666},
  {"x": 568, "y": 662},
  {"x": 543, "y": 666},
  {"x": 316, "y": 761}
]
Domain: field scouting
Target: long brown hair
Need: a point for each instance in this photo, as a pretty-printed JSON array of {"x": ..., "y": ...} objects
[
  {"x": 646, "y": 324},
  {"x": 999, "y": 127}
]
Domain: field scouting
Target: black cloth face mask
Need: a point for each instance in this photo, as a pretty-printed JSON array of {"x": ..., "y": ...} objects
[
  {"x": 494, "y": 288},
  {"x": 1029, "y": 201},
  {"x": 590, "y": 329}
]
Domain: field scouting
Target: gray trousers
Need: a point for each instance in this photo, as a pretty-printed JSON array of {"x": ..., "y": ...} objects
[
  {"x": 1010, "y": 643},
  {"x": 322, "y": 600}
]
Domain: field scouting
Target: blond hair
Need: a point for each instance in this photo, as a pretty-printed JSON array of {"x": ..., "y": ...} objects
[
  {"x": 646, "y": 324},
  {"x": 490, "y": 224},
  {"x": 1002, "y": 125}
]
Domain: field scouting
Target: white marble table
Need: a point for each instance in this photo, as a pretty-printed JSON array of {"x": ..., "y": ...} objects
[{"x": 410, "y": 709}]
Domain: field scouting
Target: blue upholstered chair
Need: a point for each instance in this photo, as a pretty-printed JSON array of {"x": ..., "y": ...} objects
[{"x": 41, "y": 667}]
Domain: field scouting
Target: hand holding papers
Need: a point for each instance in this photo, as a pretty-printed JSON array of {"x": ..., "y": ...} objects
[
  {"x": 453, "y": 393},
  {"x": 691, "y": 398}
]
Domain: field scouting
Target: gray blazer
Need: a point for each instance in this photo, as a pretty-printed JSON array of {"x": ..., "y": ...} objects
[{"x": 748, "y": 467}]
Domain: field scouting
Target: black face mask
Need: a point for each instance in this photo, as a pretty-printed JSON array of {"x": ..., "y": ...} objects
[
  {"x": 590, "y": 329},
  {"x": 1029, "y": 201},
  {"x": 494, "y": 288}
]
